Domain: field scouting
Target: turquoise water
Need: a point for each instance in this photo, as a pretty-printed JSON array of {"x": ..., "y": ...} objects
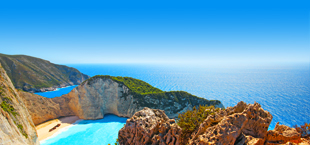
[
  {"x": 57, "y": 93},
  {"x": 283, "y": 91},
  {"x": 89, "y": 132}
]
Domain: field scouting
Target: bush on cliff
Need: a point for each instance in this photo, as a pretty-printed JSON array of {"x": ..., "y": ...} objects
[
  {"x": 7, "y": 107},
  {"x": 190, "y": 120},
  {"x": 136, "y": 85},
  {"x": 304, "y": 130}
]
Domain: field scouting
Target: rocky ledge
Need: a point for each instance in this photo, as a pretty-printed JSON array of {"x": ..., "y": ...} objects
[{"x": 239, "y": 125}]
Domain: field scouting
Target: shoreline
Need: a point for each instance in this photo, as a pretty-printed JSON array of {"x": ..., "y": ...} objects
[
  {"x": 43, "y": 129},
  {"x": 54, "y": 89}
]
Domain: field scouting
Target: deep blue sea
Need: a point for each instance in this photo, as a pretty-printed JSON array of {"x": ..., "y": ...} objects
[{"x": 283, "y": 90}]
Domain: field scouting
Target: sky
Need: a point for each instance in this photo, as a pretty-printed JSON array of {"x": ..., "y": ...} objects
[{"x": 161, "y": 32}]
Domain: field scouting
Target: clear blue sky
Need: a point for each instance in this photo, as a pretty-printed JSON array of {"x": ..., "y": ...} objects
[{"x": 148, "y": 31}]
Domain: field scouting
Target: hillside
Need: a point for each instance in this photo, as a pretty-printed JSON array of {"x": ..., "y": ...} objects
[
  {"x": 123, "y": 96},
  {"x": 37, "y": 75},
  {"x": 102, "y": 95},
  {"x": 139, "y": 89},
  {"x": 16, "y": 126}
]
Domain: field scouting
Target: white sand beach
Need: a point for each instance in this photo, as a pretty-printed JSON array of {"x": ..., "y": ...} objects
[{"x": 43, "y": 129}]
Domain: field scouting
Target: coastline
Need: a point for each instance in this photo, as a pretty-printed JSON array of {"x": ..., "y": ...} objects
[
  {"x": 43, "y": 129},
  {"x": 52, "y": 89}
]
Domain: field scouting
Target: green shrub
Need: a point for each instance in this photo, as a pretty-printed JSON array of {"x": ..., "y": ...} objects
[
  {"x": 304, "y": 130},
  {"x": 135, "y": 85},
  {"x": 21, "y": 129},
  {"x": 190, "y": 120},
  {"x": 8, "y": 107}
]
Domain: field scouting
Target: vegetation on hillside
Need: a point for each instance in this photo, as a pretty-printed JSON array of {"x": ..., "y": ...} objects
[
  {"x": 8, "y": 107},
  {"x": 135, "y": 85},
  {"x": 28, "y": 72},
  {"x": 190, "y": 120},
  {"x": 6, "y": 95},
  {"x": 21, "y": 129},
  {"x": 140, "y": 89}
]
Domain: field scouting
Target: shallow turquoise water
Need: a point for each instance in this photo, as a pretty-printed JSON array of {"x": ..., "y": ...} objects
[
  {"x": 89, "y": 132},
  {"x": 57, "y": 93}
]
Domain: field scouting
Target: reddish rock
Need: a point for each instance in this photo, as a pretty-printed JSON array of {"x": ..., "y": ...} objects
[
  {"x": 282, "y": 134},
  {"x": 149, "y": 126},
  {"x": 244, "y": 120},
  {"x": 240, "y": 125}
]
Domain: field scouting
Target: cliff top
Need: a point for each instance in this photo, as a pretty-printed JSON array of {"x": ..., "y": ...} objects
[
  {"x": 135, "y": 85},
  {"x": 140, "y": 89}
]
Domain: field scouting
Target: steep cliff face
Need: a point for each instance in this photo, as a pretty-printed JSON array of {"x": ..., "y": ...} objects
[
  {"x": 42, "y": 109},
  {"x": 16, "y": 126},
  {"x": 240, "y": 125},
  {"x": 102, "y": 95},
  {"x": 37, "y": 75}
]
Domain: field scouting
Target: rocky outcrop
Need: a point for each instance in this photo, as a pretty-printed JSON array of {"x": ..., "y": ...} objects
[
  {"x": 239, "y": 125},
  {"x": 150, "y": 126},
  {"x": 42, "y": 109},
  {"x": 16, "y": 126},
  {"x": 91, "y": 100},
  {"x": 282, "y": 134},
  {"x": 37, "y": 75}
]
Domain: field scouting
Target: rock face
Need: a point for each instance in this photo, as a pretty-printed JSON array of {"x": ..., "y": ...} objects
[
  {"x": 237, "y": 125},
  {"x": 37, "y": 75},
  {"x": 42, "y": 109},
  {"x": 282, "y": 134},
  {"x": 16, "y": 126},
  {"x": 150, "y": 126},
  {"x": 104, "y": 95}
]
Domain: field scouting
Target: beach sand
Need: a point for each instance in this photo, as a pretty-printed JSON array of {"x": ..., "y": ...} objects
[{"x": 43, "y": 129}]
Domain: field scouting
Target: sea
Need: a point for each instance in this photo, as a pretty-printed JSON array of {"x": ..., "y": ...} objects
[{"x": 283, "y": 90}]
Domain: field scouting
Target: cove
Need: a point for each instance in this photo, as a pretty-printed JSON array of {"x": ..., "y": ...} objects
[
  {"x": 91, "y": 132},
  {"x": 57, "y": 93}
]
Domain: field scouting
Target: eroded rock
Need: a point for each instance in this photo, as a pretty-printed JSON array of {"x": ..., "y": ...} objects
[
  {"x": 282, "y": 134},
  {"x": 239, "y": 125},
  {"x": 150, "y": 126},
  {"x": 43, "y": 109},
  {"x": 235, "y": 125}
]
